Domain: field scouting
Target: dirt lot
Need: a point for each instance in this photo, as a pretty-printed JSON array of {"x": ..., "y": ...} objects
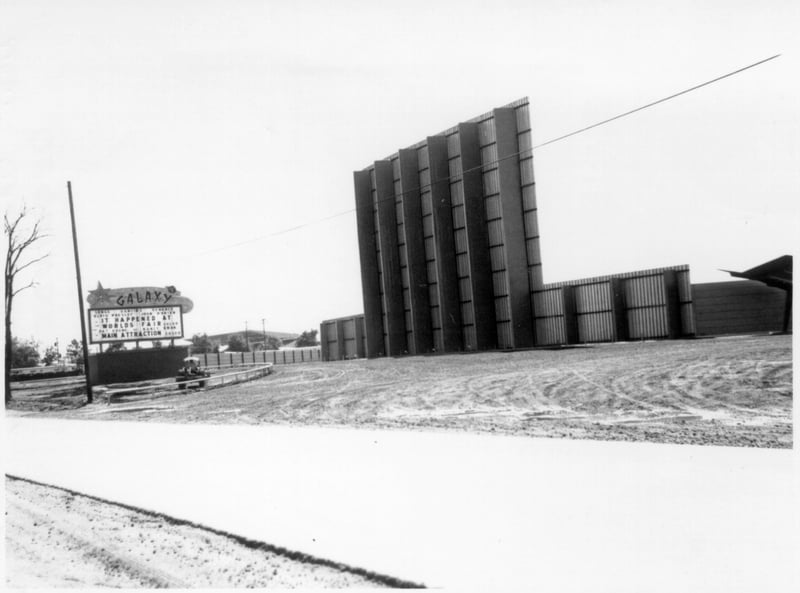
[
  {"x": 725, "y": 391},
  {"x": 58, "y": 538}
]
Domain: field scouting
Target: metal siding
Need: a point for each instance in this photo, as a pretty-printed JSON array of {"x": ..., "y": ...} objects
[
  {"x": 493, "y": 209},
  {"x": 529, "y": 197},
  {"x": 505, "y": 335},
  {"x": 470, "y": 337},
  {"x": 525, "y": 143},
  {"x": 502, "y": 309},
  {"x": 531, "y": 225},
  {"x": 427, "y": 230},
  {"x": 462, "y": 266},
  {"x": 499, "y": 284},
  {"x": 457, "y": 193},
  {"x": 459, "y": 222},
  {"x": 467, "y": 314},
  {"x": 526, "y": 170},
  {"x": 486, "y": 132},
  {"x": 497, "y": 258},
  {"x": 454, "y": 165},
  {"x": 433, "y": 295},
  {"x": 495, "y": 230},
  {"x": 438, "y": 339},
  {"x": 550, "y": 331},
  {"x": 491, "y": 182},
  {"x": 465, "y": 289}
]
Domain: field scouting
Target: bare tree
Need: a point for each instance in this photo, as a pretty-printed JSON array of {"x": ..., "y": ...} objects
[{"x": 19, "y": 240}]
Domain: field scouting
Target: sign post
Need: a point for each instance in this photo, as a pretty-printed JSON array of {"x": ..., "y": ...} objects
[{"x": 89, "y": 396}]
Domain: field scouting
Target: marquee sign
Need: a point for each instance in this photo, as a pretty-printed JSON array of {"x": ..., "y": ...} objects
[
  {"x": 135, "y": 323},
  {"x": 138, "y": 296}
]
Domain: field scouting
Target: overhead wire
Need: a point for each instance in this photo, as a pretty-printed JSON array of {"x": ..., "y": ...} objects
[{"x": 521, "y": 153}]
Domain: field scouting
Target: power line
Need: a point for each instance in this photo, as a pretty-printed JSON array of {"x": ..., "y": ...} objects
[{"x": 524, "y": 152}]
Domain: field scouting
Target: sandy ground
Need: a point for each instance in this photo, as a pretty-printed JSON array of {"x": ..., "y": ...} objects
[
  {"x": 58, "y": 538},
  {"x": 727, "y": 391}
]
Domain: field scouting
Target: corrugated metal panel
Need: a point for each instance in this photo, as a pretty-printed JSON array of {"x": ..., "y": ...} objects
[
  {"x": 465, "y": 289},
  {"x": 457, "y": 192},
  {"x": 459, "y": 220},
  {"x": 502, "y": 308},
  {"x": 427, "y": 229},
  {"x": 497, "y": 258},
  {"x": 422, "y": 157},
  {"x": 454, "y": 165},
  {"x": 460, "y": 237},
  {"x": 493, "y": 207},
  {"x": 430, "y": 251},
  {"x": 470, "y": 337},
  {"x": 433, "y": 295},
  {"x": 489, "y": 157},
  {"x": 650, "y": 322},
  {"x": 349, "y": 328},
  {"x": 438, "y": 339},
  {"x": 491, "y": 183},
  {"x": 425, "y": 201},
  {"x": 593, "y": 297},
  {"x": 526, "y": 170},
  {"x": 596, "y": 327},
  {"x": 453, "y": 144},
  {"x": 531, "y": 225},
  {"x": 505, "y": 336},
  {"x": 467, "y": 314},
  {"x": 350, "y": 348},
  {"x": 535, "y": 276},
  {"x": 499, "y": 283},
  {"x": 431, "y": 272},
  {"x": 462, "y": 265},
  {"x": 494, "y": 229},
  {"x": 549, "y": 303},
  {"x": 550, "y": 331},
  {"x": 486, "y": 132},
  {"x": 529, "y": 197},
  {"x": 645, "y": 291},
  {"x": 523, "y": 116},
  {"x": 425, "y": 178},
  {"x": 532, "y": 251}
]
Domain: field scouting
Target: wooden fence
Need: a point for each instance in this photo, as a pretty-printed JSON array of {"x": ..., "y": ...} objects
[{"x": 289, "y": 356}]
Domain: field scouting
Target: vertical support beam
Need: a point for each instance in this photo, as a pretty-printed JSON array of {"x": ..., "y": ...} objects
[
  {"x": 422, "y": 332},
  {"x": 340, "y": 345},
  {"x": 480, "y": 266},
  {"x": 323, "y": 342},
  {"x": 519, "y": 289},
  {"x": 390, "y": 259},
  {"x": 449, "y": 302},
  {"x": 570, "y": 314},
  {"x": 674, "y": 325},
  {"x": 365, "y": 221},
  {"x": 620, "y": 309},
  {"x": 361, "y": 352}
]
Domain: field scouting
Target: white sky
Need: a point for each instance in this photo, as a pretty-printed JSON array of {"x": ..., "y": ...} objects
[{"x": 190, "y": 127}]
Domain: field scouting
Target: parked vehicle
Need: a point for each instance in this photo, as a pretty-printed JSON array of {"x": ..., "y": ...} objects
[{"x": 191, "y": 373}]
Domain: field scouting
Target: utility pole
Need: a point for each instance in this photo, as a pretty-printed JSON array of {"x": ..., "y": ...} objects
[
  {"x": 246, "y": 339},
  {"x": 264, "y": 331},
  {"x": 89, "y": 395}
]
